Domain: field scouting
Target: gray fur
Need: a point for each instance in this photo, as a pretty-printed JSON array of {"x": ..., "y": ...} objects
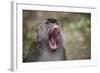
[{"x": 39, "y": 50}]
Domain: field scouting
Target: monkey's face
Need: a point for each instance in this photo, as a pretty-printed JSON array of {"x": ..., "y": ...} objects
[{"x": 51, "y": 34}]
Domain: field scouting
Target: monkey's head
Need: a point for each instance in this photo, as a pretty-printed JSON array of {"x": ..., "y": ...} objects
[{"x": 50, "y": 34}]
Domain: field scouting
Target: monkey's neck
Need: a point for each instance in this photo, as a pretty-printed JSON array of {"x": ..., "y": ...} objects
[{"x": 46, "y": 55}]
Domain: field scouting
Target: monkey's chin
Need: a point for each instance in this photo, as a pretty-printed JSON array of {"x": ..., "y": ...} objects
[{"x": 53, "y": 46}]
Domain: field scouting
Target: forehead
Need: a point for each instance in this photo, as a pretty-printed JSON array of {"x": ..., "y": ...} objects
[{"x": 51, "y": 21}]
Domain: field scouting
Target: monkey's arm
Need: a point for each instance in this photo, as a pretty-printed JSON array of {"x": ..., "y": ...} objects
[{"x": 33, "y": 53}]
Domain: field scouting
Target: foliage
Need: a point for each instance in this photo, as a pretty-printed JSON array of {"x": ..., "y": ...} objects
[{"x": 76, "y": 26}]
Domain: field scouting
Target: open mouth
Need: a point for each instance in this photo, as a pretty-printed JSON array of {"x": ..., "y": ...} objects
[{"x": 53, "y": 36}]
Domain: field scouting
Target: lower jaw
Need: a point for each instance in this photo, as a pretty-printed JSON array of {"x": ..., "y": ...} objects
[
  {"x": 52, "y": 50},
  {"x": 54, "y": 46}
]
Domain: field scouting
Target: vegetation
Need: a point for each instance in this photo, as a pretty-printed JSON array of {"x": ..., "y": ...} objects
[{"x": 76, "y": 26}]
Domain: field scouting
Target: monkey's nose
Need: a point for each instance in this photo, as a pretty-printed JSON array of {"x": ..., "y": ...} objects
[
  {"x": 56, "y": 31},
  {"x": 55, "y": 26}
]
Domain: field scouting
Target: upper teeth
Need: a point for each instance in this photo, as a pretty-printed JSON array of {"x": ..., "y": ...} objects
[{"x": 55, "y": 27}]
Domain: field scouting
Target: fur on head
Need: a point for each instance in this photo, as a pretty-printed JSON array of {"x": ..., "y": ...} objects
[{"x": 50, "y": 34}]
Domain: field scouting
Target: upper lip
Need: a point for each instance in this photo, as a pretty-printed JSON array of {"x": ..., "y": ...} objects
[{"x": 53, "y": 27}]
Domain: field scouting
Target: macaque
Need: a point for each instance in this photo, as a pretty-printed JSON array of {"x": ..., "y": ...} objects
[{"x": 48, "y": 44}]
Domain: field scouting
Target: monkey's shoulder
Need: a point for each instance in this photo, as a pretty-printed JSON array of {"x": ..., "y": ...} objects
[{"x": 33, "y": 52}]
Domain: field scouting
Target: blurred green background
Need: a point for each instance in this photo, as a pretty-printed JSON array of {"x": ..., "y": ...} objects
[{"x": 76, "y": 27}]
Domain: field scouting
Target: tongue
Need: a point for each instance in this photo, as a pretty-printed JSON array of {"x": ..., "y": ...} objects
[
  {"x": 53, "y": 44},
  {"x": 52, "y": 41}
]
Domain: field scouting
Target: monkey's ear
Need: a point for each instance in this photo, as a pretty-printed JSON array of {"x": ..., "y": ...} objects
[{"x": 36, "y": 30}]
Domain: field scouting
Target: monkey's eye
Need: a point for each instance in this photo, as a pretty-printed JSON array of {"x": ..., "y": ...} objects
[
  {"x": 51, "y": 22},
  {"x": 57, "y": 23},
  {"x": 48, "y": 22}
]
